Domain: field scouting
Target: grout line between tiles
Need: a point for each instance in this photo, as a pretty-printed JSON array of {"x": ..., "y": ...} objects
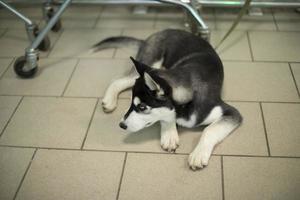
[
  {"x": 222, "y": 179},
  {"x": 52, "y": 46},
  {"x": 294, "y": 80},
  {"x": 155, "y": 20},
  {"x": 4, "y": 72},
  {"x": 265, "y": 129},
  {"x": 116, "y": 49},
  {"x": 250, "y": 47},
  {"x": 2, "y": 132},
  {"x": 97, "y": 18},
  {"x": 128, "y": 98},
  {"x": 117, "y": 58},
  {"x": 3, "y": 33},
  {"x": 26, "y": 171},
  {"x": 258, "y": 61},
  {"x": 274, "y": 19},
  {"x": 145, "y": 152},
  {"x": 89, "y": 125},
  {"x": 121, "y": 178},
  {"x": 69, "y": 80}
]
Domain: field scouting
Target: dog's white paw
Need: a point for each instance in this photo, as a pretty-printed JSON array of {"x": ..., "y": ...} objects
[
  {"x": 169, "y": 142},
  {"x": 109, "y": 104},
  {"x": 199, "y": 158}
]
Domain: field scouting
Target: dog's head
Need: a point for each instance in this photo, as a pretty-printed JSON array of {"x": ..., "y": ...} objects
[{"x": 151, "y": 100}]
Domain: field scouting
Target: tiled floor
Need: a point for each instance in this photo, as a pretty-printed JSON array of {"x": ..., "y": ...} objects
[{"x": 57, "y": 143}]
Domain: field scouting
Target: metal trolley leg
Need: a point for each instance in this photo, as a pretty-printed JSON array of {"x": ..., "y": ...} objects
[
  {"x": 197, "y": 24},
  {"x": 26, "y": 66}
]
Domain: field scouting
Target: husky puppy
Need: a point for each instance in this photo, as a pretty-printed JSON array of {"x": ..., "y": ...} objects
[{"x": 177, "y": 81}]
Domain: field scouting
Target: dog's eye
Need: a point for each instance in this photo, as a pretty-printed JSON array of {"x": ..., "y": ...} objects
[{"x": 142, "y": 106}]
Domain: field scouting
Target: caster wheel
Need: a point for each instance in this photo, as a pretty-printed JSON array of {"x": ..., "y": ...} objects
[
  {"x": 19, "y": 68},
  {"x": 57, "y": 26},
  {"x": 45, "y": 43}
]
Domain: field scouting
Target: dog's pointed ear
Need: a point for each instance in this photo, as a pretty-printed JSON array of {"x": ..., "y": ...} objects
[
  {"x": 153, "y": 85},
  {"x": 140, "y": 67}
]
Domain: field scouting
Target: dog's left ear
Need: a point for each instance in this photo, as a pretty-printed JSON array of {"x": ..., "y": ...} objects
[
  {"x": 153, "y": 85},
  {"x": 141, "y": 68}
]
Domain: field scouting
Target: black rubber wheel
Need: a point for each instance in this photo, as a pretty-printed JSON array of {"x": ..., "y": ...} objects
[
  {"x": 57, "y": 26},
  {"x": 45, "y": 43},
  {"x": 19, "y": 68}
]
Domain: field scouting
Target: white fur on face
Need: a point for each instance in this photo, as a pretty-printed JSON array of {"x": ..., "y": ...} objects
[{"x": 137, "y": 121}]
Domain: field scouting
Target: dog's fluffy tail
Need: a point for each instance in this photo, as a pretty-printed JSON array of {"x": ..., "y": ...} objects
[{"x": 117, "y": 42}]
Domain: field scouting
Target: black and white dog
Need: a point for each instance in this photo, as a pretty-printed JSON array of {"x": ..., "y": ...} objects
[{"x": 177, "y": 80}]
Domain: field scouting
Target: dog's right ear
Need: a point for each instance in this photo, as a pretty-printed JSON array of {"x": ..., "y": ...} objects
[{"x": 141, "y": 68}]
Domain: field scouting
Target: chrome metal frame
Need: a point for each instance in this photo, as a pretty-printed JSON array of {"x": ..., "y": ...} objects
[{"x": 190, "y": 6}]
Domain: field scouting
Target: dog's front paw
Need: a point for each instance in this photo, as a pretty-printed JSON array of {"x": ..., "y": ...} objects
[
  {"x": 199, "y": 158},
  {"x": 109, "y": 104},
  {"x": 169, "y": 142}
]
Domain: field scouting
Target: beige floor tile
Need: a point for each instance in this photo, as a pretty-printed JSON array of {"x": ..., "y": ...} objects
[
  {"x": 225, "y": 19},
  {"x": 123, "y": 17},
  {"x": 76, "y": 23},
  {"x": 92, "y": 76},
  {"x": 296, "y": 72},
  {"x": 287, "y": 19},
  {"x": 82, "y": 11},
  {"x": 154, "y": 176},
  {"x": 14, "y": 23},
  {"x": 105, "y": 133},
  {"x": 261, "y": 178},
  {"x": 84, "y": 23},
  {"x": 4, "y": 63},
  {"x": 275, "y": 46},
  {"x": 248, "y": 139},
  {"x": 72, "y": 175},
  {"x": 235, "y": 47},
  {"x": 120, "y": 11},
  {"x": 30, "y": 11},
  {"x": 51, "y": 79},
  {"x": 78, "y": 43},
  {"x": 258, "y": 82},
  {"x": 7, "y": 107},
  {"x": 126, "y": 22},
  {"x": 13, "y": 164},
  {"x": 16, "y": 41},
  {"x": 137, "y": 33},
  {"x": 86, "y": 19},
  {"x": 49, "y": 122},
  {"x": 2, "y": 31},
  {"x": 283, "y": 126}
]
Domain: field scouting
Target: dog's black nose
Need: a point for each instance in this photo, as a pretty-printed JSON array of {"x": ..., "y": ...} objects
[{"x": 122, "y": 125}]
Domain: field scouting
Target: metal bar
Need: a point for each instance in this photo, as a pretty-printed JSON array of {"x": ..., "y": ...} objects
[
  {"x": 14, "y": 11},
  {"x": 49, "y": 25},
  {"x": 205, "y": 3},
  {"x": 189, "y": 8},
  {"x": 228, "y": 3}
]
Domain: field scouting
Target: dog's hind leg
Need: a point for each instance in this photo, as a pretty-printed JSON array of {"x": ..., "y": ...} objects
[
  {"x": 212, "y": 135},
  {"x": 110, "y": 99}
]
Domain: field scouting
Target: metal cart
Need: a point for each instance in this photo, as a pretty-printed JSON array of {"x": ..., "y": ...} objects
[{"x": 26, "y": 66}]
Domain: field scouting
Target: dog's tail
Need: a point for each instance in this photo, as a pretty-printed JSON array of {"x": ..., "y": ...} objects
[{"x": 117, "y": 42}]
